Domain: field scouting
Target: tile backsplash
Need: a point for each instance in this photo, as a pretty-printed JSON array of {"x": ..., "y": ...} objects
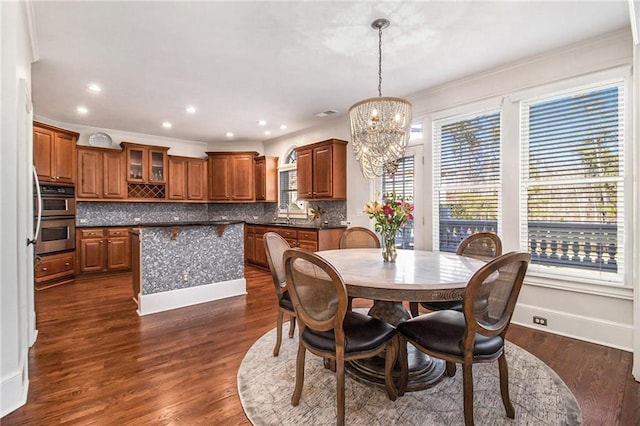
[{"x": 128, "y": 214}]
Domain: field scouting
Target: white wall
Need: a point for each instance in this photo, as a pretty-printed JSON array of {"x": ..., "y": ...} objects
[{"x": 16, "y": 259}]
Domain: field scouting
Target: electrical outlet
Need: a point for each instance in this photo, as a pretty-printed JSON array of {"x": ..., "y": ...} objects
[
  {"x": 176, "y": 218},
  {"x": 540, "y": 321},
  {"x": 185, "y": 277},
  {"x": 345, "y": 222},
  {"x": 83, "y": 220},
  {"x": 136, "y": 219}
]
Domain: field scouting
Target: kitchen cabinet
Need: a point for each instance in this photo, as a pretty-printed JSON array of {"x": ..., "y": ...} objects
[
  {"x": 231, "y": 176},
  {"x": 54, "y": 269},
  {"x": 146, "y": 170},
  {"x": 322, "y": 170},
  {"x": 187, "y": 178},
  {"x": 266, "y": 170},
  {"x": 145, "y": 163},
  {"x": 54, "y": 153},
  {"x": 312, "y": 239},
  {"x": 101, "y": 173},
  {"x": 104, "y": 249}
]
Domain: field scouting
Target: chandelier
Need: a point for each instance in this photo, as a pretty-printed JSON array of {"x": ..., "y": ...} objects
[{"x": 380, "y": 127}]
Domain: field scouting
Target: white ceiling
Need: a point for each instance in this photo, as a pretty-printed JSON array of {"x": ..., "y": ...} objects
[{"x": 239, "y": 61}]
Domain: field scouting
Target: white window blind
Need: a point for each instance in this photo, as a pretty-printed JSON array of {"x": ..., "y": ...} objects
[
  {"x": 573, "y": 186},
  {"x": 466, "y": 177},
  {"x": 402, "y": 183}
]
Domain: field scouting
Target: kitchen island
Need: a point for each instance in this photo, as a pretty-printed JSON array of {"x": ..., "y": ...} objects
[{"x": 179, "y": 264}]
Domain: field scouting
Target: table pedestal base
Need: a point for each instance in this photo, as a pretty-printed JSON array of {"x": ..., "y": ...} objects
[{"x": 424, "y": 371}]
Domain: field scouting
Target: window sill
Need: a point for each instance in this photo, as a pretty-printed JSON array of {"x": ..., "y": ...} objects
[{"x": 579, "y": 285}]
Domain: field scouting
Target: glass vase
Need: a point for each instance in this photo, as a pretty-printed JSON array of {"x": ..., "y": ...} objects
[{"x": 389, "y": 252}]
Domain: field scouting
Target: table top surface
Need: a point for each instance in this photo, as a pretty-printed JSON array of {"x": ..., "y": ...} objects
[{"x": 415, "y": 276}]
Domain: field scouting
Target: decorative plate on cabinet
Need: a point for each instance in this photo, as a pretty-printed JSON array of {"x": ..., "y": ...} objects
[{"x": 100, "y": 139}]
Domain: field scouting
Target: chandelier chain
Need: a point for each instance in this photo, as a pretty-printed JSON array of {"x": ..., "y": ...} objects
[{"x": 380, "y": 61}]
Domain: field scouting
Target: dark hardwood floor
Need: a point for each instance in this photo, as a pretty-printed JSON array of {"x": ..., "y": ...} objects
[{"x": 97, "y": 362}]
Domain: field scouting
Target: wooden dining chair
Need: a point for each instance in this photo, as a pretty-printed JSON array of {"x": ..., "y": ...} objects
[
  {"x": 359, "y": 237},
  {"x": 473, "y": 335},
  {"x": 481, "y": 245},
  {"x": 275, "y": 246},
  {"x": 328, "y": 330}
]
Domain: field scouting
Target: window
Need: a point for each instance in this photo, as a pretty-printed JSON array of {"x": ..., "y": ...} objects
[
  {"x": 288, "y": 204},
  {"x": 572, "y": 189},
  {"x": 466, "y": 157},
  {"x": 416, "y": 131},
  {"x": 401, "y": 182}
]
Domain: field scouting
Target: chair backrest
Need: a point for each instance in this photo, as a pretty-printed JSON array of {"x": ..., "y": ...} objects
[
  {"x": 275, "y": 246},
  {"x": 359, "y": 237},
  {"x": 318, "y": 293},
  {"x": 481, "y": 245},
  {"x": 491, "y": 295}
]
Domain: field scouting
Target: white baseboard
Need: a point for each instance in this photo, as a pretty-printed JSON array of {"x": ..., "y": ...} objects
[
  {"x": 167, "y": 300},
  {"x": 13, "y": 393},
  {"x": 608, "y": 333}
]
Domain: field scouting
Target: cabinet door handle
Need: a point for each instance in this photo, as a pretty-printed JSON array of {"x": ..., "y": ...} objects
[
  {"x": 101, "y": 242},
  {"x": 44, "y": 269}
]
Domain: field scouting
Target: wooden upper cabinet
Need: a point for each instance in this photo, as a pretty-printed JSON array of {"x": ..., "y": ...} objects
[
  {"x": 187, "y": 178},
  {"x": 266, "y": 170},
  {"x": 54, "y": 153},
  {"x": 145, "y": 163},
  {"x": 322, "y": 170},
  {"x": 100, "y": 173},
  {"x": 231, "y": 176},
  {"x": 196, "y": 179}
]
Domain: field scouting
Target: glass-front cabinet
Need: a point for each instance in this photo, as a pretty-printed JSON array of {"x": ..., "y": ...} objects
[{"x": 146, "y": 164}]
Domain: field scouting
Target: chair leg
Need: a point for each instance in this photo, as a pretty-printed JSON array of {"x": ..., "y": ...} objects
[
  {"x": 340, "y": 389},
  {"x": 276, "y": 349},
  {"x": 404, "y": 365},
  {"x": 413, "y": 307},
  {"x": 390, "y": 360},
  {"x": 297, "y": 393},
  {"x": 504, "y": 386},
  {"x": 467, "y": 385},
  {"x": 451, "y": 368},
  {"x": 292, "y": 325}
]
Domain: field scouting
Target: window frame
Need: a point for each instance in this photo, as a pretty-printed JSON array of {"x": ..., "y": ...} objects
[
  {"x": 454, "y": 115},
  {"x": 582, "y": 278},
  {"x": 286, "y": 166}
]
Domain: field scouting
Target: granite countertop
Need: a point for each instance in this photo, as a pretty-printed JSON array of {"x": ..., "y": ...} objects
[
  {"x": 296, "y": 225},
  {"x": 167, "y": 224}
]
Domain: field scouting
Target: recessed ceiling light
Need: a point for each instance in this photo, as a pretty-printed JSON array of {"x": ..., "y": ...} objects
[
  {"x": 95, "y": 88},
  {"x": 267, "y": 132},
  {"x": 82, "y": 110},
  {"x": 283, "y": 127},
  {"x": 191, "y": 109},
  {"x": 262, "y": 123},
  {"x": 167, "y": 125},
  {"x": 229, "y": 134}
]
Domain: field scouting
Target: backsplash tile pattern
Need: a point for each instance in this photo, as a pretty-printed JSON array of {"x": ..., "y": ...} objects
[
  {"x": 197, "y": 251},
  {"x": 125, "y": 214}
]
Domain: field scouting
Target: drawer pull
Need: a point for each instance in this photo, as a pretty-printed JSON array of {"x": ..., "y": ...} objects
[
  {"x": 101, "y": 242},
  {"x": 44, "y": 269},
  {"x": 67, "y": 264}
]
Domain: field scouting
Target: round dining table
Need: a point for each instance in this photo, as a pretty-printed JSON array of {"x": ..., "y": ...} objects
[{"x": 415, "y": 276}]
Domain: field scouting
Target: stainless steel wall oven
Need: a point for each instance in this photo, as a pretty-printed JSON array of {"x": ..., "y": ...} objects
[{"x": 55, "y": 211}]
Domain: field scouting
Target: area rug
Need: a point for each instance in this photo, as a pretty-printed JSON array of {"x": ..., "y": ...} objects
[{"x": 265, "y": 386}]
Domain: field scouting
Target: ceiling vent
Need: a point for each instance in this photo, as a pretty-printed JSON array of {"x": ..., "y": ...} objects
[{"x": 325, "y": 113}]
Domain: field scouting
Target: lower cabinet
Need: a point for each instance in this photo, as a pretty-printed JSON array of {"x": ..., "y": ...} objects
[
  {"x": 306, "y": 238},
  {"x": 104, "y": 250},
  {"x": 54, "y": 269}
]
